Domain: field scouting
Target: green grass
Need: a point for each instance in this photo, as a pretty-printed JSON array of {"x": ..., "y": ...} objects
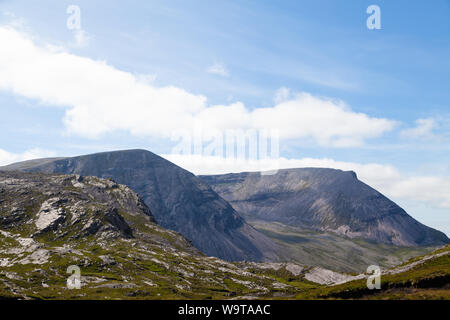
[{"x": 431, "y": 279}]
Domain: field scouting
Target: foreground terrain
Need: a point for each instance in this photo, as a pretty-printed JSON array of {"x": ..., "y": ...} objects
[{"x": 51, "y": 222}]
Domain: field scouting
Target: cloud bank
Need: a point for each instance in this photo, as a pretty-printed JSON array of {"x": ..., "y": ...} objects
[{"x": 99, "y": 99}]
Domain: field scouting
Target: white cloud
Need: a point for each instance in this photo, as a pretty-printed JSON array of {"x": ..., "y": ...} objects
[
  {"x": 424, "y": 128},
  {"x": 219, "y": 69},
  {"x": 36, "y": 153},
  {"x": 99, "y": 99},
  {"x": 431, "y": 190},
  {"x": 329, "y": 122}
]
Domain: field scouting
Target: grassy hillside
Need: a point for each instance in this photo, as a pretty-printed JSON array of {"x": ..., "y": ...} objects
[{"x": 427, "y": 278}]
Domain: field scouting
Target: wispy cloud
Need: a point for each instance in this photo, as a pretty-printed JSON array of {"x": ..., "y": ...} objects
[
  {"x": 13, "y": 20},
  {"x": 218, "y": 69},
  {"x": 424, "y": 129}
]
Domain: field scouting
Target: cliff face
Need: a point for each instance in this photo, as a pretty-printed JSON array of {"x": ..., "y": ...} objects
[
  {"x": 324, "y": 200},
  {"x": 179, "y": 200}
]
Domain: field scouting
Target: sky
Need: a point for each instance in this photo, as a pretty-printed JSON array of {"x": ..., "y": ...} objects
[{"x": 79, "y": 77}]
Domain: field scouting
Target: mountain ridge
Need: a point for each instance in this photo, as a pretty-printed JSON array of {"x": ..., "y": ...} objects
[
  {"x": 323, "y": 199},
  {"x": 179, "y": 200}
]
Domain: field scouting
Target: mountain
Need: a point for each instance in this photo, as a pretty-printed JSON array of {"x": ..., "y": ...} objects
[
  {"x": 325, "y": 200},
  {"x": 320, "y": 217},
  {"x": 179, "y": 200},
  {"x": 51, "y": 223}
]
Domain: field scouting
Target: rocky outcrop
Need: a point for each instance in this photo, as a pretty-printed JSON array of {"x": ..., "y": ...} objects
[
  {"x": 50, "y": 215},
  {"x": 59, "y": 206}
]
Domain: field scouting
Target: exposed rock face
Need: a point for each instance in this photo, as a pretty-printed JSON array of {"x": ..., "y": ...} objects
[
  {"x": 50, "y": 215},
  {"x": 52, "y": 206},
  {"x": 178, "y": 199},
  {"x": 328, "y": 277},
  {"x": 325, "y": 200}
]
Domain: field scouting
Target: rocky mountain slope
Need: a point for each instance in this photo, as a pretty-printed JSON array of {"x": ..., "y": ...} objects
[
  {"x": 325, "y": 200},
  {"x": 179, "y": 200},
  {"x": 49, "y": 223}
]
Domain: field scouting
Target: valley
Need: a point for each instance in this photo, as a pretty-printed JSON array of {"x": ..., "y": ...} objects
[{"x": 335, "y": 252}]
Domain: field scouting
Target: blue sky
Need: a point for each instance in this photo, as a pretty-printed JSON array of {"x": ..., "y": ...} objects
[{"x": 230, "y": 52}]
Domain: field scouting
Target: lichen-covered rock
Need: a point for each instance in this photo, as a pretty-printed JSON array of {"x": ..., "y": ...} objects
[{"x": 50, "y": 215}]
